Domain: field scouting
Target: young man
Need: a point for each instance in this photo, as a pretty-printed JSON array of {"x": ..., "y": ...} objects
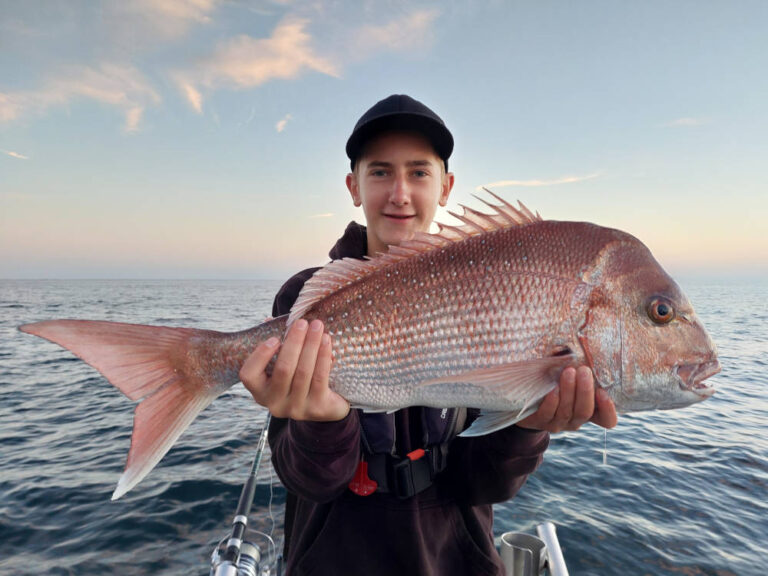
[{"x": 427, "y": 515}]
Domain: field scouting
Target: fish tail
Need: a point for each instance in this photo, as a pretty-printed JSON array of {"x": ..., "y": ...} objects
[{"x": 175, "y": 373}]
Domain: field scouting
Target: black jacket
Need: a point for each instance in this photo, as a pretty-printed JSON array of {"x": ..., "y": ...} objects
[{"x": 445, "y": 530}]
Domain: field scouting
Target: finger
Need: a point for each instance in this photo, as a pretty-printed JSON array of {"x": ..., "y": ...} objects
[
  {"x": 542, "y": 418},
  {"x": 584, "y": 397},
  {"x": 322, "y": 370},
  {"x": 305, "y": 367},
  {"x": 287, "y": 359},
  {"x": 323, "y": 403},
  {"x": 567, "y": 394},
  {"x": 548, "y": 407},
  {"x": 252, "y": 373},
  {"x": 605, "y": 410}
]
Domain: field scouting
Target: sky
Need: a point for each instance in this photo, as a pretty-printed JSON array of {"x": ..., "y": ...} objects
[{"x": 205, "y": 138}]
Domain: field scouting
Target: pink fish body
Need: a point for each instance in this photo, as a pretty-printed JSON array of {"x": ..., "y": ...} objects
[{"x": 485, "y": 315}]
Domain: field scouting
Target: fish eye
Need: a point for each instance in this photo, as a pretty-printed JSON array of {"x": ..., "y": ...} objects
[{"x": 661, "y": 311}]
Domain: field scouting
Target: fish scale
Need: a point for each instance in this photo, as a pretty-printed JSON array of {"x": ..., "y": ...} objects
[
  {"x": 470, "y": 305},
  {"x": 483, "y": 315}
]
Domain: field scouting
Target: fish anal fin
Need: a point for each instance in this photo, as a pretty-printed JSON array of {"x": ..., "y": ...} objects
[
  {"x": 489, "y": 422},
  {"x": 373, "y": 409}
]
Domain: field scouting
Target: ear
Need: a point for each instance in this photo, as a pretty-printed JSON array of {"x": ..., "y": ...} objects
[
  {"x": 354, "y": 189},
  {"x": 447, "y": 187}
]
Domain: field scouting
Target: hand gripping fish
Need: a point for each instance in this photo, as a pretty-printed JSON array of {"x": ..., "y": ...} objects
[{"x": 485, "y": 314}]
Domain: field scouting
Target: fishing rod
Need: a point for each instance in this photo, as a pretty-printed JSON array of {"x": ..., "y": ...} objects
[{"x": 238, "y": 557}]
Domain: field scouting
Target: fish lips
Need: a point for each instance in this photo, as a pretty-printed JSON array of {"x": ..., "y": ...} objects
[{"x": 692, "y": 376}]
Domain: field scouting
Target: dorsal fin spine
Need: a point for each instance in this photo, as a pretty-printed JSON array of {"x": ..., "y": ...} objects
[
  {"x": 468, "y": 221},
  {"x": 482, "y": 217},
  {"x": 458, "y": 230}
]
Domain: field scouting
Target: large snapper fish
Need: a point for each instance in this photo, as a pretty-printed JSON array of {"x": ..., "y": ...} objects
[{"x": 483, "y": 315}]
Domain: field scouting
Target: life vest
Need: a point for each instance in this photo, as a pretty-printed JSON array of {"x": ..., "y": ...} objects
[{"x": 381, "y": 469}]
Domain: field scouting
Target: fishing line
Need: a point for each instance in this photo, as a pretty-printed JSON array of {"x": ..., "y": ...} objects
[{"x": 272, "y": 547}]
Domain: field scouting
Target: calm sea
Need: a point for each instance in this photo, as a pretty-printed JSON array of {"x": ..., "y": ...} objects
[{"x": 682, "y": 492}]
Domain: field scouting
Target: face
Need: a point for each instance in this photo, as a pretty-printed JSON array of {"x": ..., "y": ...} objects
[{"x": 399, "y": 181}]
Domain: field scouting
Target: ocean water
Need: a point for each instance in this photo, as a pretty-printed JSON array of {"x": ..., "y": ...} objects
[{"x": 681, "y": 492}]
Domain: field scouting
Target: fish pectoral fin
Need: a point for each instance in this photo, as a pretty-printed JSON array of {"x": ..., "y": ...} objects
[
  {"x": 513, "y": 380},
  {"x": 524, "y": 383}
]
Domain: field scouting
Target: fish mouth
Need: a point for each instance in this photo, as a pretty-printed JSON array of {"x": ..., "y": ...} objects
[{"x": 692, "y": 376}]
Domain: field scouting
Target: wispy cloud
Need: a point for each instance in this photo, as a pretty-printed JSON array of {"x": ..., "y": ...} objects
[
  {"x": 13, "y": 154},
  {"x": 538, "y": 183},
  {"x": 246, "y": 62},
  {"x": 11, "y": 106},
  {"x": 120, "y": 86},
  {"x": 291, "y": 51},
  {"x": 409, "y": 32},
  {"x": 193, "y": 96},
  {"x": 324, "y": 215},
  {"x": 133, "y": 118},
  {"x": 280, "y": 126},
  {"x": 309, "y": 39},
  {"x": 181, "y": 10},
  {"x": 687, "y": 122},
  {"x": 159, "y": 19}
]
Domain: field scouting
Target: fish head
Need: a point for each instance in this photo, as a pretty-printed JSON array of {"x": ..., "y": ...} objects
[{"x": 646, "y": 346}]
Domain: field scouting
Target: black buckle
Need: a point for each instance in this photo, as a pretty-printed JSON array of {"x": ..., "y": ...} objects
[
  {"x": 405, "y": 477},
  {"x": 412, "y": 475}
]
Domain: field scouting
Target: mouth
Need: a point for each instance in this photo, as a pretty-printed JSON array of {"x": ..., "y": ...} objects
[
  {"x": 692, "y": 376},
  {"x": 399, "y": 217}
]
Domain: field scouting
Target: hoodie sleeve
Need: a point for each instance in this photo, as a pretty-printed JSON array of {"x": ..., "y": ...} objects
[
  {"x": 315, "y": 460},
  {"x": 492, "y": 468}
]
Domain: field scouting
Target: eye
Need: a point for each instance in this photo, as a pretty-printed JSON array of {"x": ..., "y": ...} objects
[{"x": 661, "y": 311}]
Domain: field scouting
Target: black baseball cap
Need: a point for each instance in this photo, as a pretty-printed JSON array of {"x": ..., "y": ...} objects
[{"x": 400, "y": 112}]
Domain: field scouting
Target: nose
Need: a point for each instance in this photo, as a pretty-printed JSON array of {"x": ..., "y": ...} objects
[{"x": 400, "y": 194}]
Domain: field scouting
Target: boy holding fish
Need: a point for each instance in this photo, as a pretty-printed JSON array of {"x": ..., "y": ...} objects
[
  {"x": 493, "y": 314},
  {"x": 394, "y": 493}
]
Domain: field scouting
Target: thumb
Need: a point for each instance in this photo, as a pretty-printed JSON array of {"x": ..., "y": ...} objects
[{"x": 252, "y": 372}]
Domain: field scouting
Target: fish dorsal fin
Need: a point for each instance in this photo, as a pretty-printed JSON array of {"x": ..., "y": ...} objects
[
  {"x": 329, "y": 279},
  {"x": 504, "y": 215},
  {"x": 347, "y": 271}
]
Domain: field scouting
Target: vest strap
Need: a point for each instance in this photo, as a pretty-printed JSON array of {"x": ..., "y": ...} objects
[{"x": 406, "y": 477}]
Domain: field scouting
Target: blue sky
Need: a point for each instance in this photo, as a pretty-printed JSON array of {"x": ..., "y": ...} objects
[{"x": 205, "y": 138}]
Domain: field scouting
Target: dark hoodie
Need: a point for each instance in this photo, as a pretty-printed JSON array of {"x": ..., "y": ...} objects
[{"x": 445, "y": 530}]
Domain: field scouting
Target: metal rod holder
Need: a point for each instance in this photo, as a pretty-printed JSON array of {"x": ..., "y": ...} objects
[
  {"x": 528, "y": 555},
  {"x": 522, "y": 554}
]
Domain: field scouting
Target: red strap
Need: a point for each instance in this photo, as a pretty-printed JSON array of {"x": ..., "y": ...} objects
[
  {"x": 361, "y": 483},
  {"x": 416, "y": 454}
]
